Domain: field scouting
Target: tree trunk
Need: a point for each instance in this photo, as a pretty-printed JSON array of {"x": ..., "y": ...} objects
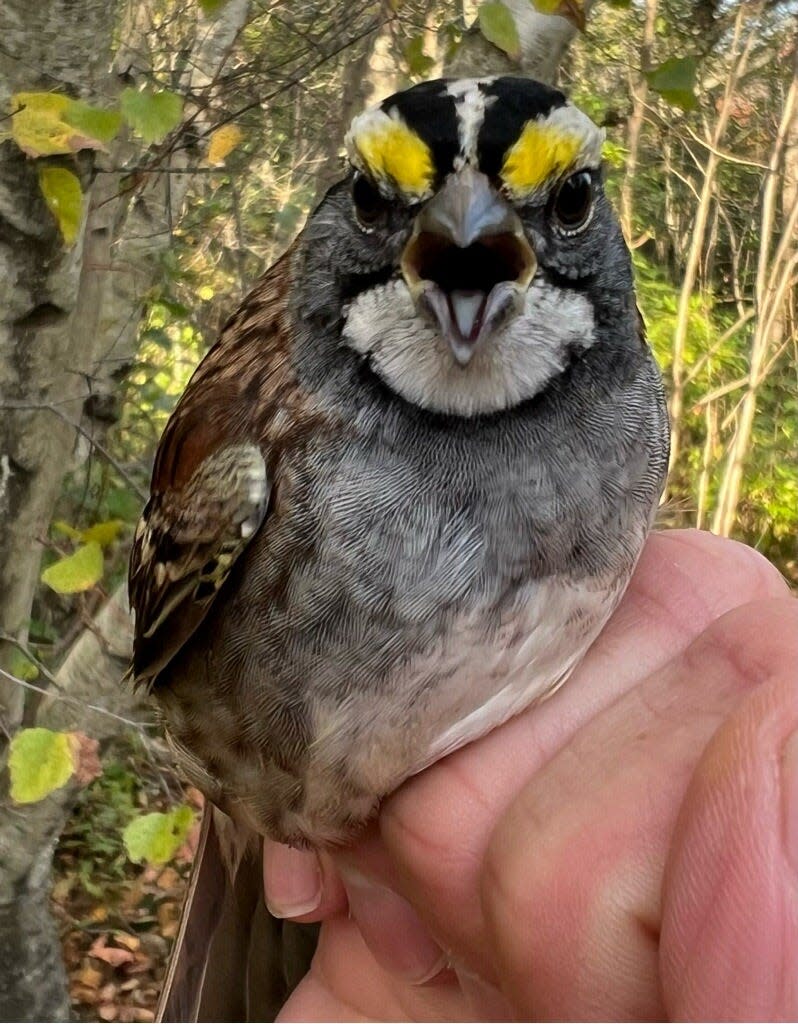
[
  {"x": 47, "y": 345},
  {"x": 544, "y": 40},
  {"x": 777, "y": 272},
  {"x": 639, "y": 91},
  {"x": 699, "y": 233},
  {"x": 70, "y": 319},
  {"x": 32, "y": 980}
]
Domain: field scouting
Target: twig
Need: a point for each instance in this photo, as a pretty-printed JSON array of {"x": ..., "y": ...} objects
[{"x": 45, "y": 406}]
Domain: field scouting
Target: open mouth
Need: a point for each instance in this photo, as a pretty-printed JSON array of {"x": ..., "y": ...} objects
[
  {"x": 465, "y": 283},
  {"x": 470, "y": 290}
]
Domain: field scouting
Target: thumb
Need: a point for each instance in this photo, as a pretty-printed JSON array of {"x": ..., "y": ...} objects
[{"x": 729, "y": 943}]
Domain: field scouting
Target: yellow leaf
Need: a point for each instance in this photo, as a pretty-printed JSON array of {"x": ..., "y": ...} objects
[
  {"x": 49, "y": 123},
  {"x": 102, "y": 533},
  {"x": 37, "y": 125},
  {"x": 64, "y": 198},
  {"x": 39, "y": 762},
  {"x": 571, "y": 10},
  {"x": 76, "y": 572},
  {"x": 223, "y": 141},
  {"x": 66, "y": 529}
]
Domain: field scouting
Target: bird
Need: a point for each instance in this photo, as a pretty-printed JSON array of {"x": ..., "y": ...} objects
[{"x": 408, "y": 485}]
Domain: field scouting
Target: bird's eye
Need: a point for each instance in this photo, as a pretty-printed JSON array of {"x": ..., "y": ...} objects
[
  {"x": 370, "y": 206},
  {"x": 573, "y": 203}
]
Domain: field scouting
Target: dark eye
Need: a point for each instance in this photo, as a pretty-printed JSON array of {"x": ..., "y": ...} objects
[
  {"x": 573, "y": 202},
  {"x": 370, "y": 206}
]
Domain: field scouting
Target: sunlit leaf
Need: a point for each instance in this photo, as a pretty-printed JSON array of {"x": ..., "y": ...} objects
[
  {"x": 418, "y": 63},
  {"x": 102, "y": 533},
  {"x": 64, "y": 197},
  {"x": 498, "y": 26},
  {"x": 49, "y": 124},
  {"x": 152, "y": 115},
  {"x": 155, "y": 838},
  {"x": 37, "y": 124},
  {"x": 222, "y": 143},
  {"x": 614, "y": 153},
  {"x": 39, "y": 762},
  {"x": 76, "y": 572},
  {"x": 674, "y": 80},
  {"x": 94, "y": 123}
]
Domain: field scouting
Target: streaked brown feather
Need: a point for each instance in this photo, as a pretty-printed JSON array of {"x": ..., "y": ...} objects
[{"x": 200, "y": 515}]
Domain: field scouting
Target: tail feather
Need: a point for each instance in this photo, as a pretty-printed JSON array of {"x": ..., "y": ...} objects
[{"x": 232, "y": 960}]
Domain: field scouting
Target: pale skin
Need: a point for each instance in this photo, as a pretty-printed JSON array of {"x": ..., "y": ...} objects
[{"x": 627, "y": 850}]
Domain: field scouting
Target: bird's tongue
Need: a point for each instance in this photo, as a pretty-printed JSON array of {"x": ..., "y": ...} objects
[{"x": 467, "y": 306}]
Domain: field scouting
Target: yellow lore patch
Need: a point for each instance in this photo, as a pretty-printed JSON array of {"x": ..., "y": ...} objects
[
  {"x": 541, "y": 153},
  {"x": 392, "y": 151}
]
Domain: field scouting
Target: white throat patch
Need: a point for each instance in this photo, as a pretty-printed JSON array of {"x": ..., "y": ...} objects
[{"x": 513, "y": 364}]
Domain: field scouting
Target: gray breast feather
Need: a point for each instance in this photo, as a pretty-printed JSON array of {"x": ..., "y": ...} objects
[{"x": 432, "y": 579}]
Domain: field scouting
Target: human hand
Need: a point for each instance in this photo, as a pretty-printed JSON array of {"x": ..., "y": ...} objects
[{"x": 626, "y": 850}]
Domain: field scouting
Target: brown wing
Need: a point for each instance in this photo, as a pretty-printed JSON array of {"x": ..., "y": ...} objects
[{"x": 213, "y": 476}]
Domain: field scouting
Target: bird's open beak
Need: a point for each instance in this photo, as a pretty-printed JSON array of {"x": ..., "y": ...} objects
[{"x": 468, "y": 263}]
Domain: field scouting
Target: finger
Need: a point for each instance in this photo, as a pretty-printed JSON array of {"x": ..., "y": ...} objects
[
  {"x": 437, "y": 826},
  {"x": 730, "y": 900},
  {"x": 300, "y": 884},
  {"x": 573, "y": 875},
  {"x": 346, "y": 983}
]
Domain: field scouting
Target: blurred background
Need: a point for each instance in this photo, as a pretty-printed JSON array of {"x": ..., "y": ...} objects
[{"x": 155, "y": 157}]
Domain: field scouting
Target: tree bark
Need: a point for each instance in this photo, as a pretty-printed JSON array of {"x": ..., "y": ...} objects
[
  {"x": 693, "y": 261},
  {"x": 639, "y": 91},
  {"x": 46, "y": 350},
  {"x": 32, "y": 980},
  {"x": 777, "y": 273},
  {"x": 544, "y": 40},
  {"x": 70, "y": 319}
]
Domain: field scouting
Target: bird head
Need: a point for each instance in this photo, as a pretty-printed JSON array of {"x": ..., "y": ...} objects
[{"x": 475, "y": 252}]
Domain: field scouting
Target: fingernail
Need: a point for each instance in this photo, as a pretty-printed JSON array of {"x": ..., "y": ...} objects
[
  {"x": 789, "y": 763},
  {"x": 291, "y": 880},
  {"x": 392, "y": 930}
]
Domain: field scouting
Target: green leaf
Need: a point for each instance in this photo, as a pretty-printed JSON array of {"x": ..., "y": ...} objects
[
  {"x": 22, "y": 667},
  {"x": 152, "y": 115},
  {"x": 76, "y": 572},
  {"x": 102, "y": 533},
  {"x": 39, "y": 762},
  {"x": 96, "y": 124},
  {"x": 211, "y": 8},
  {"x": 123, "y": 505},
  {"x": 497, "y": 25},
  {"x": 64, "y": 198},
  {"x": 674, "y": 80},
  {"x": 614, "y": 153},
  {"x": 156, "y": 838},
  {"x": 418, "y": 63}
]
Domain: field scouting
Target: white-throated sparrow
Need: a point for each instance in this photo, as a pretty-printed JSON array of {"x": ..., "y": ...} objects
[{"x": 408, "y": 485}]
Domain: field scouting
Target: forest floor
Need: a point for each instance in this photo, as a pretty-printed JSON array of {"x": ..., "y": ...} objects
[{"x": 118, "y": 919}]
